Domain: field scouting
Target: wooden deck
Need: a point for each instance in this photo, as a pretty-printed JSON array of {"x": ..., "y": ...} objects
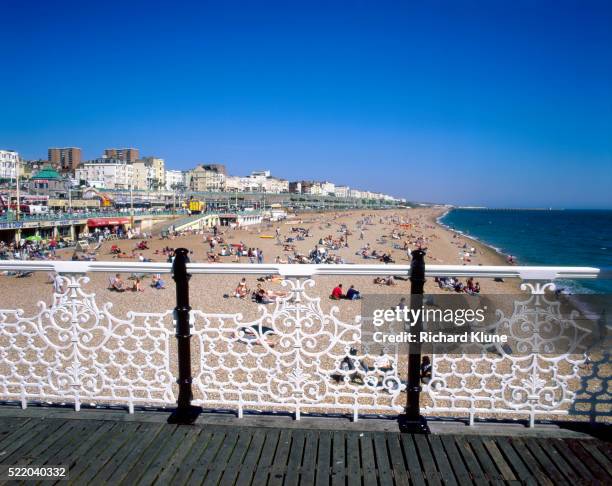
[{"x": 99, "y": 450}]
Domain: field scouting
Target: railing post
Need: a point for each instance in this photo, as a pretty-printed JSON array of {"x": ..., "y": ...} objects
[
  {"x": 411, "y": 421},
  {"x": 185, "y": 413}
]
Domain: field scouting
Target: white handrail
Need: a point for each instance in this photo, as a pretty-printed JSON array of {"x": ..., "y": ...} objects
[{"x": 296, "y": 270}]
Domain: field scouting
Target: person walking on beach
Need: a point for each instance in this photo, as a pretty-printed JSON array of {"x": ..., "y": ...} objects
[{"x": 260, "y": 257}]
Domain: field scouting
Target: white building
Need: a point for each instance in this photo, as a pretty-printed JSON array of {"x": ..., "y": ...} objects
[
  {"x": 342, "y": 191},
  {"x": 174, "y": 179},
  {"x": 113, "y": 173},
  {"x": 8, "y": 164},
  {"x": 143, "y": 175},
  {"x": 355, "y": 193},
  {"x": 258, "y": 181},
  {"x": 312, "y": 187},
  {"x": 206, "y": 178},
  {"x": 159, "y": 172},
  {"x": 328, "y": 188}
]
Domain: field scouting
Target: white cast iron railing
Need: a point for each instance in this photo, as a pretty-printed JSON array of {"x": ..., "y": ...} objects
[{"x": 292, "y": 357}]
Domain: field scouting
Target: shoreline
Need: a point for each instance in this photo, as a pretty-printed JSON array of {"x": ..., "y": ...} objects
[{"x": 474, "y": 239}]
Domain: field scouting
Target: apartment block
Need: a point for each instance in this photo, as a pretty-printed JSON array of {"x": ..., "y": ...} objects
[
  {"x": 67, "y": 159},
  {"x": 125, "y": 154}
]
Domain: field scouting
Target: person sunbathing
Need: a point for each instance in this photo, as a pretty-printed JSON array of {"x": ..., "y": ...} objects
[
  {"x": 352, "y": 293},
  {"x": 241, "y": 290},
  {"x": 386, "y": 258},
  {"x": 271, "y": 294},
  {"x": 118, "y": 284},
  {"x": 157, "y": 282},
  {"x": 337, "y": 293},
  {"x": 261, "y": 297},
  {"x": 212, "y": 258},
  {"x": 137, "y": 285}
]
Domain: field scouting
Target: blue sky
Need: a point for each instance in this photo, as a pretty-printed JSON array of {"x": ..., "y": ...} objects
[{"x": 500, "y": 103}]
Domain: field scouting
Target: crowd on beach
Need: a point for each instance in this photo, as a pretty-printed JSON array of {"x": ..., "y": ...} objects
[{"x": 391, "y": 238}]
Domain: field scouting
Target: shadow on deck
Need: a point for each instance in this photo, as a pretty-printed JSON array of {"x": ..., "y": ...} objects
[{"x": 117, "y": 448}]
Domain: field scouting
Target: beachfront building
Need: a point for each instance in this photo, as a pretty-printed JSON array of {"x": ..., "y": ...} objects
[
  {"x": 276, "y": 185},
  {"x": 8, "y": 164},
  {"x": 235, "y": 183},
  {"x": 112, "y": 173},
  {"x": 262, "y": 181},
  {"x": 124, "y": 154},
  {"x": 355, "y": 193},
  {"x": 158, "y": 167},
  {"x": 143, "y": 175},
  {"x": 66, "y": 159},
  {"x": 342, "y": 191},
  {"x": 312, "y": 187},
  {"x": 174, "y": 179},
  {"x": 49, "y": 182},
  {"x": 295, "y": 187},
  {"x": 207, "y": 178},
  {"x": 328, "y": 188}
]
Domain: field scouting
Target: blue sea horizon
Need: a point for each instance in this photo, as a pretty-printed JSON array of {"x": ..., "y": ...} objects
[{"x": 565, "y": 237}]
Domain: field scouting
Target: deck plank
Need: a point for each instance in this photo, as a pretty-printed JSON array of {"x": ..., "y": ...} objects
[
  {"x": 324, "y": 458},
  {"x": 14, "y": 452},
  {"x": 251, "y": 460},
  {"x": 429, "y": 468},
  {"x": 575, "y": 462},
  {"x": 207, "y": 439},
  {"x": 53, "y": 444},
  {"x": 279, "y": 464},
  {"x": 560, "y": 463},
  {"x": 180, "y": 454},
  {"x": 531, "y": 462},
  {"x": 267, "y": 455},
  {"x": 383, "y": 466},
  {"x": 498, "y": 458},
  {"x": 133, "y": 445},
  {"x": 230, "y": 472},
  {"x": 294, "y": 465},
  {"x": 471, "y": 461},
  {"x": 338, "y": 468},
  {"x": 398, "y": 466},
  {"x": 85, "y": 469},
  {"x": 309, "y": 463},
  {"x": 81, "y": 438},
  {"x": 547, "y": 465},
  {"x": 523, "y": 473},
  {"x": 212, "y": 472},
  {"x": 412, "y": 459},
  {"x": 455, "y": 459},
  {"x": 590, "y": 462},
  {"x": 10, "y": 426},
  {"x": 156, "y": 447},
  {"x": 368, "y": 463},
  {"x": 603, "y": 461},
  {"x": 442, "y": 460}
]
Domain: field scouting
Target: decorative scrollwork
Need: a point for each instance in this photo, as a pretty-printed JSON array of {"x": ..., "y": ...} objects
[
  {"x": 74, "y": 351},
  {"x": 535, "y": 374},
  {"x": 294, "y": 357}
]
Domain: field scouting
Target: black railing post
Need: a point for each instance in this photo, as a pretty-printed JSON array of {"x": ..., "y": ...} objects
[
  {"x": 411, "y": 421},
  {"x": 185, "y": 413}
]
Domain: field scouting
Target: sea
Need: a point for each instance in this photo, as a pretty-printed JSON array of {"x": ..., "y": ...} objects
[{"x": 544, "y": 237}]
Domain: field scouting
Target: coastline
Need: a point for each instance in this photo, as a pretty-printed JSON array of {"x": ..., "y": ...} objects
[
  {"x": 498, "y": 252},
  {"x": 444, "y": 247}
]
